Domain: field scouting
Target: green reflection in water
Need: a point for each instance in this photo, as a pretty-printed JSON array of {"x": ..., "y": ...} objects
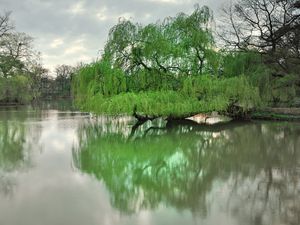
[
  {"x": 257, "y": 165},
  {"x": 12, "y": 139},
  {"x": 16, "y": 139}
]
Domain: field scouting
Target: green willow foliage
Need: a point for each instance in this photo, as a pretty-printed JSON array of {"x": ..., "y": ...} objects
[
  {"x": 273, "y": 89},
  {"x": 169, "y": 69},
  {"x": 223, "y": 91},
  {"x": 178, "y": 45},
  {"x": 158, "y": 103},
  {"x": 178, "y": 166}
]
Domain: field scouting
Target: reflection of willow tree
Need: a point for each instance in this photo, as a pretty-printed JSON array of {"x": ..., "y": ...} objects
[{"x": 178, "y": 166}]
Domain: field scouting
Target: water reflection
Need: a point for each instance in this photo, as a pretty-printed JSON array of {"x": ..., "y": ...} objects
[
  {"x": 12, "y": 156},
  {"x": 21, "y": 128},
  {"x": 38, "y": 182},
  {"x": 64, "y": 167},
  {"x": 249, "y": 170}
]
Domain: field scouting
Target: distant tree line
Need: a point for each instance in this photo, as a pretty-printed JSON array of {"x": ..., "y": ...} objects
[{"x": 59, "y": 85}]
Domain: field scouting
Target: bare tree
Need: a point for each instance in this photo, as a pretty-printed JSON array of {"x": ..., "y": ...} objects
[
  {"x": 64, "y": 71},
  {"x": 63, "y": 79},
  {"x": 266, "y": 26},
  {"x": 5, "y": 24},
  {"x": 18, "y": 46},
  {"x": 19, "y": 61},
  {"x": 16, "y": 52},
  {"x": 260, "y": 24}
]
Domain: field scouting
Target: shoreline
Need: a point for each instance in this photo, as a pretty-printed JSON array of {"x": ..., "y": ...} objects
[
  {"x": 271, "y": 114},
  {"x": 277, "y": 114}
]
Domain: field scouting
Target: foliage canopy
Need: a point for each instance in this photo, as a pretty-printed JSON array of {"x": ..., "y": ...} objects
[{"x": 170, "y": 68}]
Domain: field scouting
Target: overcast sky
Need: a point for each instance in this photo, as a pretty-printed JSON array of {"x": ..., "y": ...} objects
[{"x": 69, "y": 31}]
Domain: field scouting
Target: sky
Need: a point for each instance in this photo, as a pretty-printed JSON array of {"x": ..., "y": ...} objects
[{"x": 72, "y": 31}]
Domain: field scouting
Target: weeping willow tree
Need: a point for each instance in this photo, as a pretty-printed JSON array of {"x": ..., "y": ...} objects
[
  {"x": 170, "y": 68},
  {"x": 178, "y": 45}
]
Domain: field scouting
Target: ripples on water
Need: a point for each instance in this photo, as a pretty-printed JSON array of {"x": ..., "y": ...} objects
[{"x": 62, "y": 167}]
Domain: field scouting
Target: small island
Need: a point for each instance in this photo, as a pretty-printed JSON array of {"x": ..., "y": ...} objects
[
  {"x": 176, "y": 68},
  {"x": 188, "y": 114}
]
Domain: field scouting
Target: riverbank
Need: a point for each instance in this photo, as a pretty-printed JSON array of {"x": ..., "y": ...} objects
[
  {"x": 10, "y": 104},
  {"x": 285, "y": 114},
  {"x": 58, "y": 104},
  {"x": 275, "y": 114}
]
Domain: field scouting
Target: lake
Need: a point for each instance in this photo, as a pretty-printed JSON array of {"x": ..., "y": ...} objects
[{"x": 62, "y": 167}]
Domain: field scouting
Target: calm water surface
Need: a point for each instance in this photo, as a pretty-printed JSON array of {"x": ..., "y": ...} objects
[{"x": 66, "y": 168}]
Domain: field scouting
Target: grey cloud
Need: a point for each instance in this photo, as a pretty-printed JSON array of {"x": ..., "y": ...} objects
[{"x": 88, "y": 20}]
